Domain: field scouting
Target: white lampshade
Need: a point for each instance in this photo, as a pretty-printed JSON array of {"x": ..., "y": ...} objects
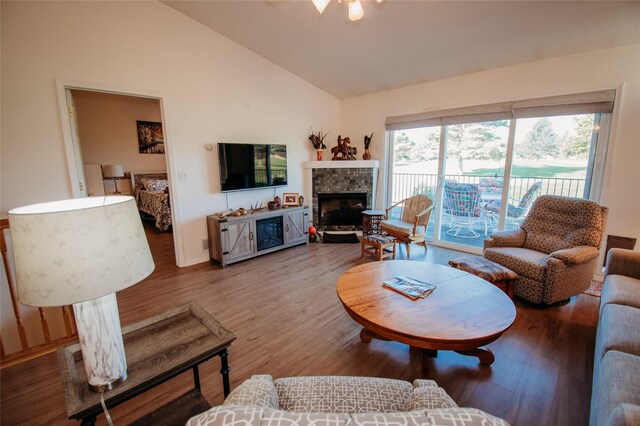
[
  {"x": 77, "y": 250},
  {"x": 113, "y": 171},
  {"x": 355, "y": 10}
]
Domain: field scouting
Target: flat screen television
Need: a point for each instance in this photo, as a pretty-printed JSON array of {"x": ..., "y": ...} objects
[{"x": 251, "y": 166}]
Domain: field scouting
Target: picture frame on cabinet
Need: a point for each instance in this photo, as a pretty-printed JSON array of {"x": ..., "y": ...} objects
[{"x": 290, "y": 199}]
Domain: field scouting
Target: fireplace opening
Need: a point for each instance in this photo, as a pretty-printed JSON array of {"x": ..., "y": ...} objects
[
  {"x": 269, "y": 233},
  {"x": 341, "y": 209}
]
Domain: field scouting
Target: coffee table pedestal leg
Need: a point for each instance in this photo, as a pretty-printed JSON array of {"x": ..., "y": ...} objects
[{"x": 484, "y": 355}]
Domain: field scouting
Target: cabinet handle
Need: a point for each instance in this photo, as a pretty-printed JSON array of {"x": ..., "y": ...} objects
[
  {"x": 250, "y": 235},
  {"x": 286, "y": 228}
]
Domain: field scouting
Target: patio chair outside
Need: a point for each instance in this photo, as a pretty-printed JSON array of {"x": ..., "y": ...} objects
[
  {"x": 516, "y": 213},
  {"x": 462, "y": 204}
]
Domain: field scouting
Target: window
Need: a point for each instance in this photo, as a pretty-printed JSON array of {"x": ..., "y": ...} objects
[{"x": 484, "y": 166}]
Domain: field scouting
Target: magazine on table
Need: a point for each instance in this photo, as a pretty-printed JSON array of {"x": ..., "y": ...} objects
[{"x": 410, "y": 287}]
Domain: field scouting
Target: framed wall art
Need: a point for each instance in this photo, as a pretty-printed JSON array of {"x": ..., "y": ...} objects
[{"x": 150, "y": 137}]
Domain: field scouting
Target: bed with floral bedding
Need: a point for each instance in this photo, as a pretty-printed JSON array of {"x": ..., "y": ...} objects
[{"x": 151, "y": 191}]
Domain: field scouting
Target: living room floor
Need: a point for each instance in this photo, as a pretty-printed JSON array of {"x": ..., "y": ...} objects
[{"x": 288, "y": 320}]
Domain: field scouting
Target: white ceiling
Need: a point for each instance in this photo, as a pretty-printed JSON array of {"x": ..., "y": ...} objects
[{"x": 401, "y": 43}]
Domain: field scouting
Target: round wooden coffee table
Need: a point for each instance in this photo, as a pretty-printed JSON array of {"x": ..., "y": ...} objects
[{"x": 462, "y": 314}]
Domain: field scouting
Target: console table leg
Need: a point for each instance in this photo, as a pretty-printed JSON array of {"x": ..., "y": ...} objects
[
  {"x": 484, "y": 355},
  {"x": 225, "y": 372},
  {"x": 196, "y": 377}
]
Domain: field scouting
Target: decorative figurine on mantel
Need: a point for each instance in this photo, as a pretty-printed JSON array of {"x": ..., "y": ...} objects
[
  {"x": 343, "y": 151},
  {"x": 318, "y": 143},
  {"x": 367, "y": 142}
]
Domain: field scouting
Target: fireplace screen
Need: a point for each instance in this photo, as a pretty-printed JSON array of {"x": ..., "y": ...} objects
[
  {"x": 269, "y": 233},
  {"x": 341, "y": 209}
]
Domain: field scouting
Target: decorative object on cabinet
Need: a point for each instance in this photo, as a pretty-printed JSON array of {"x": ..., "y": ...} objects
[
  {"x": 343, "y": 151},
  {"x": 277, "y": 200},
  {"x": 301, "y": 200},
  {"x": 257, "y": 207},
  {"x": 232, "y": 239},
  {"x": 113, "y": 171},
  {"x": 367, "y": 142},
  {"x": 290, "y": 199},
  {"x": 60, "y": 270},
  {"x": 150, "y": 137}
]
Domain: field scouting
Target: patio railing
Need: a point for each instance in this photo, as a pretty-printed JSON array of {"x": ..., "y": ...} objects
[{"x": 407, "y": 184}]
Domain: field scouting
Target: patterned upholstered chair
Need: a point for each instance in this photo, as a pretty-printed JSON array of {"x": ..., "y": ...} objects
[
  {"x": 411, "y": 227},
  {"x": 340, "y": 400},
  {"x": 555, "y": 249}
]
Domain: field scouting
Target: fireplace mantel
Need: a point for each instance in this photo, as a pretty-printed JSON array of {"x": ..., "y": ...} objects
[{"x": 342, "y": 164}]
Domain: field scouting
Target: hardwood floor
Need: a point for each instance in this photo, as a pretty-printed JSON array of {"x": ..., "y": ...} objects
[{"x": 288, "y": 321}]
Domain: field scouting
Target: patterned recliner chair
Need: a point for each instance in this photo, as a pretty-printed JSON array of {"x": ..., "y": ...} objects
[
  {"x": 341, "y": 400},
  {"x": 554, "y": 251}
]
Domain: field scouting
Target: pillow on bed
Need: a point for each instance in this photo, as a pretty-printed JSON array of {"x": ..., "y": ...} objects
[{"x": 155, "y": 184}]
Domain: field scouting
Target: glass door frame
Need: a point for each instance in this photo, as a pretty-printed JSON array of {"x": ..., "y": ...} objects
[{"x": 593, "y": 184}]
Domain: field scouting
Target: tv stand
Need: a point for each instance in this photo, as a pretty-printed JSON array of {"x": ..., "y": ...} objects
[{"x": 237, "y": 238}]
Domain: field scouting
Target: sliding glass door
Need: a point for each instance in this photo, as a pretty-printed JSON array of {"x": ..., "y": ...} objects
[
  {"x": 484, "y": 175},
  {"x": 473, "y": 176}
]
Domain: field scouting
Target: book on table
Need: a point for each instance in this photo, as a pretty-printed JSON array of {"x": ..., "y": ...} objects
[{"x": 410, "y": 287}]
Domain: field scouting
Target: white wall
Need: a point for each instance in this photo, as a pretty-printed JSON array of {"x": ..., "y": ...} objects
[
  {"x": 212, "y": 90},
  {"x": 603, "y": 69}
]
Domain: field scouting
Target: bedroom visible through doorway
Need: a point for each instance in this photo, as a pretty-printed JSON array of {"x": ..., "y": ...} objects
[{"x": 124, "y": 134}]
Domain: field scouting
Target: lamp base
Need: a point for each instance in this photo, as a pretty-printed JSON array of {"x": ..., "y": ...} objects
[
  {"x": 108, "y": 386},
  {"x": 101, "y": 342},
  {"x": 115, "y": 182}
]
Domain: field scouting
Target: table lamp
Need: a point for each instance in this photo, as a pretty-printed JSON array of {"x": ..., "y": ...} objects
[
  {"x": 114, "y": 171},
  {"x": 81, "y": 251}
]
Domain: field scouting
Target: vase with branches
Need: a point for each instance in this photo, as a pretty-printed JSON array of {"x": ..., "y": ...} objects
[{"x": 318, "y": 143}]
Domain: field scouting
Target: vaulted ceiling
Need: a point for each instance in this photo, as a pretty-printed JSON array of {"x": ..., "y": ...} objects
[{"x": 401, "y": 43}]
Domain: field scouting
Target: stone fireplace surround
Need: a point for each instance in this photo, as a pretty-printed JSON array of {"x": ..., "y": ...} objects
[{"x": 357, "y": 176}]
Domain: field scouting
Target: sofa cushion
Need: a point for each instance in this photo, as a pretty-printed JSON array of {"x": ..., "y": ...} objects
[
  {"x": 624, "y": 415},
  {"x": 342, "y": 394},
  {"x": 620, "y": 290},
  {"x": 438, "y": 417},
  {"x": 619, "y": 329},
  {"x": 258, "y": 391},
  {"x": 428, "y": 395},
  {"x": 257, "y": 416},
  {"x": 228, "y": 415},
  {"x": 616, "y": 383},
  {"x": 528, "y": 263}
]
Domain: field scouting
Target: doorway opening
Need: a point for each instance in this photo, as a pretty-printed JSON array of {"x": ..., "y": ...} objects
[{"x": 115, "y": 144}]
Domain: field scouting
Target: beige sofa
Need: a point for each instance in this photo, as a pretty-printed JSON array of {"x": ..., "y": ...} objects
[
  {"x": 615, "y": 399},
  {"x": 341, "y": 400}
]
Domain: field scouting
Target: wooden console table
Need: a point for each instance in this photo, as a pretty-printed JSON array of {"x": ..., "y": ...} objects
[{"x": 157, "y": 349}]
